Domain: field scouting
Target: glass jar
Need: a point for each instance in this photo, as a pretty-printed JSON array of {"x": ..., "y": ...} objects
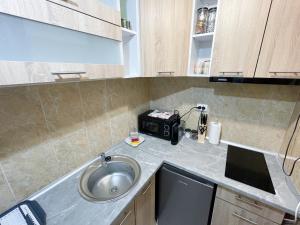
[
  {"x": 201, "y": 20},
  {"x": 212, "y": 13}
]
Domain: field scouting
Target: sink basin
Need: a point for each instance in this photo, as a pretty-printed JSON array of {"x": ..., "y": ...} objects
[{"x": 108, "y": 181}]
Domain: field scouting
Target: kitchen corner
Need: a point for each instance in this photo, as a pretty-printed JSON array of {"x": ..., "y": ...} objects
[{"x": 64, "y": 205}]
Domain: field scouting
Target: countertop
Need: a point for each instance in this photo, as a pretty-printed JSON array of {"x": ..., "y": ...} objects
[{"x": 64, "y": 205}]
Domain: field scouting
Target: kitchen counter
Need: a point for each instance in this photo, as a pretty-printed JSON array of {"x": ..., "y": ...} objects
[{"x": 64, "y": 205}]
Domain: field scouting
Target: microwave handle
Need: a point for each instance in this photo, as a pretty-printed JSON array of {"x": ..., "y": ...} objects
[{"x": 174, "y": 134}]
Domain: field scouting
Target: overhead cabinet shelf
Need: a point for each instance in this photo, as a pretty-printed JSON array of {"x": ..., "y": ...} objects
[
  {"x": 204, "y": 36},
  {"x": 127, "y": 34},
  {"x": 131, "y": 38}
]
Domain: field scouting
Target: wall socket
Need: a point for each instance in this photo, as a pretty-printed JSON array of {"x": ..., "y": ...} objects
[{"x": 203, "y": 106}]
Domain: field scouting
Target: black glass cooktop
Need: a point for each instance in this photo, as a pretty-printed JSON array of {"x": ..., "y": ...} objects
[{"x": 248, "y": 167}]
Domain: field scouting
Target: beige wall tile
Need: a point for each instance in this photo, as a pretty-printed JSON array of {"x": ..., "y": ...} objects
[
  {"x": 294, "y": 149},
  {"x": 119, "y": 127},
  {"x": 72, "y": 151},
  {"x": 126, "y": 99},
  {"x": 22, "y": 120},
  {"x": 95, "y": 103},
  {"x": 6, "y": 197},
  {"x": 62, "y": 107},
  {"x": 30, "y": 169}
]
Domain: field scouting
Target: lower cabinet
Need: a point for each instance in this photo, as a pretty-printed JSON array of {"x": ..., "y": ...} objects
[
  {"x": 145, "y": 205},
  {"x": 142, "y": 210},
  {"x": 234, "y": 209},
  {"x": 228, "y": 214},
  {"x": 127, "y": 217}
]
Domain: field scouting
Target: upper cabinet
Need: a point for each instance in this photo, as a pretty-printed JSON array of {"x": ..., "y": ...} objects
[
  {"x": 280, "y": 53},
  {"x": 165, "y": 34},
  {"x": 238, "y": 36},
  {"x": 96, "y": 8},
  {"x": 53, "y": 41}
]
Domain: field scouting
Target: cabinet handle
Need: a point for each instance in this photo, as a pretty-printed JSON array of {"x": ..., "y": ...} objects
[
  {"x": 286, "y": 73},
  {"x": 296, "y": 72},
  {"x": 61, "y": 74},
  {"x": 67, "y": 73},
  {"x": 248, "y": 202},
  {"x": 235, "y": 73},
  {"x": 124, "y": 219},
  {"x": 144, "y": 192},
  {"x": 165, "y": 72},
  {"x": 243, "y": 218},
  {"x": 70, "y": 2}
]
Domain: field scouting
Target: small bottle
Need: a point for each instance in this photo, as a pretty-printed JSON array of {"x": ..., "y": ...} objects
[
  {"x": 201, "y": 20},
  {"x": 212, "y": 13},
  {"x": 199, "y": 66}
]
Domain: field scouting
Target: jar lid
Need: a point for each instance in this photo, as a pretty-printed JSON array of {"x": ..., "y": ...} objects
[{"x": 202, "y": 8}]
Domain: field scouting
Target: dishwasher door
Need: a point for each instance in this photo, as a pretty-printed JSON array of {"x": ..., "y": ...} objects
[{"x": 183, "y": 198}]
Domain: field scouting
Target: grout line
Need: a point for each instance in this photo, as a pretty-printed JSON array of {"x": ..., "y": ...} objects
[
  {"x": 84, "y": 120},
  {"x": 7, "y": 183},
  {"x": 43, "y": 109},
  {"x": 50, "y": 142},
  {"x": 107, "y": 99}
]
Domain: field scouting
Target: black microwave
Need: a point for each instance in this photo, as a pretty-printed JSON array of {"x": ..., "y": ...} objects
[{"x": 167, "y": 129}]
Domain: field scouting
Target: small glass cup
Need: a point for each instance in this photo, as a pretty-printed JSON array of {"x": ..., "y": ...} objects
[{"x": 134, "y": 136}]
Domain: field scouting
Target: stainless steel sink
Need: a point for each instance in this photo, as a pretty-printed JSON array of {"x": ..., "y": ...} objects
[{"x": 106, "y": 181}]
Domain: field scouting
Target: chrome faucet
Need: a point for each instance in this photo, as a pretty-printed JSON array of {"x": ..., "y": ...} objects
[{"x": 102, "y": 159}]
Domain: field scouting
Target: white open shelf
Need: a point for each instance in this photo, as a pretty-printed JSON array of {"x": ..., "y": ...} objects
[
  {"x": 131, "y": 38},
  {"x": 204, "y": 36},
  {"x": 127, "y": 34},
  {"x": 201, "y": 45}
]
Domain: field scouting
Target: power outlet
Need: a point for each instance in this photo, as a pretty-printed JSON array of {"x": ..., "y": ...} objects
[{"x": 203, "y": 106}]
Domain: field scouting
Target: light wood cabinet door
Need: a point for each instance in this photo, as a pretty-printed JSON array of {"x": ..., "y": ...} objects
[
  {"x": 165, "y": 34},
  {"x": 145, "y": 205},
  {"x": 239, "y": 34},
  {"x": 94, "y": 8},
  {"x": 280, "y": 54},
  {"x": 182, "y": 29},
  {"x": 127, "y": 217},
  {"x": 227, "y": 214}
]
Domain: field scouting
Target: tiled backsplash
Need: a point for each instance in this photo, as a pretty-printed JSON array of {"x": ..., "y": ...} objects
[
  {"x": 47, "y": 131},
  {"x": 251, "y": 114}
]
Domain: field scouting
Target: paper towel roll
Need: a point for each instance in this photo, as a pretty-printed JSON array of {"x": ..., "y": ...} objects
[{"x": 214, "y": 132}]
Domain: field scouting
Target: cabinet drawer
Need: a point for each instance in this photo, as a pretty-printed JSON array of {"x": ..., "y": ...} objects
[
  {"x": 94, "y": 8},
  {"x": 226, "y": 213},
  {"x": 250, "y": 205}
]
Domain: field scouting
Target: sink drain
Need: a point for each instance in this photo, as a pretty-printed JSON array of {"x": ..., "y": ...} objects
[{"x": 114, "y": 189}]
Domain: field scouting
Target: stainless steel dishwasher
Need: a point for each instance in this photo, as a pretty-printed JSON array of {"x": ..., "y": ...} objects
[{"x": 183, "y": 198}]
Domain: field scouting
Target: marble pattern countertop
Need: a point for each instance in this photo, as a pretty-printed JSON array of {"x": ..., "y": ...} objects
[{"x": 64, "y": 205}]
